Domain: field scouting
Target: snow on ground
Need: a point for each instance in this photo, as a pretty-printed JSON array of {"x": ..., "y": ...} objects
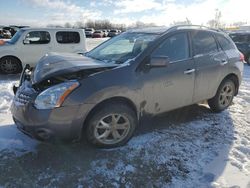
[{"x": 189, "y": 147}]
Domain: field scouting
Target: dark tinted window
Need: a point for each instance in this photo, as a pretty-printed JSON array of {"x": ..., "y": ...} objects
[
  {"x": 175, "y": 48},
  {"x": 38, "y": 37},
  {"x": 240, "y": 37},
  {"x": 66, "y": 37},
  {"x": 203, "y": 43},
  {"x": 225, "y": 43}
]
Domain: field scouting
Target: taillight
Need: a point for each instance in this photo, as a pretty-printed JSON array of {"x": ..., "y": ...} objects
[{"x": 242, "y": 57}]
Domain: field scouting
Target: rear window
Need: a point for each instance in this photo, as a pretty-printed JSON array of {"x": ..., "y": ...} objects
[
  {"x": 240, "y": 37},
  {"x": 113, "y": 30},
  {"x": 225, "y": 43},
  {"x": 67, "y": 37},
  {"x": 203, "y": 43}
]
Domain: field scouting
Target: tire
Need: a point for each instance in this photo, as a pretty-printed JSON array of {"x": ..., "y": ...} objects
[
  {"x": 113, "y": 123},
  {"x": 224, "y": 96},
  {"x": 10, "y": 65}
]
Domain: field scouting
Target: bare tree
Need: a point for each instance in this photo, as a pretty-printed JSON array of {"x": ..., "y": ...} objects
[
  {"x": 215, "y": 23},
  {"x": 185, "y": 22},
  {"x": 67, "y": 25},
  {"x": 90, "y": 24},
  {"x": 79, "y": 25},
  {"x": 54, "y": 26}
]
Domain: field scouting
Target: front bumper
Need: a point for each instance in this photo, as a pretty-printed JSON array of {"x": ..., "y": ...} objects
[
  {"x": 63, "y": 123},
  {"x": 56, "y": 124}
]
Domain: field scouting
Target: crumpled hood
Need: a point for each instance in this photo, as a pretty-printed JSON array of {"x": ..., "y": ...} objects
[{"x": 56, "y": 64}]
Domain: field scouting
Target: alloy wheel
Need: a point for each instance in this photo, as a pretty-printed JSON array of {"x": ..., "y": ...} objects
[
  {"x": 112, "y": 129},
  {"x": 9, "y": 66},
  {"x": 226, "y": 95}
]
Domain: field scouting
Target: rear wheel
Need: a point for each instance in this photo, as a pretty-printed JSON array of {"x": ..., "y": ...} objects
[
  {"x": 223, "y": 97},
  {"x": 10, "y": 65},
  {"x": 112, "y": 125}
]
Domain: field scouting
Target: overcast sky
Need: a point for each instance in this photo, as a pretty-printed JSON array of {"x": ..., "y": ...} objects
[{"x": 161, "y": 12}]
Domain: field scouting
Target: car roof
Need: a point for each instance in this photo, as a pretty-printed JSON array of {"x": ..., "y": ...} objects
[
  {"x": 49, "y": 29},
  {"x": 162, "y": 30}
]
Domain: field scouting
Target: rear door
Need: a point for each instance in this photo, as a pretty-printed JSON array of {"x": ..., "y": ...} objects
[
  {"x": 210, "y": 62},
  {"x": 170, "y": 87}
]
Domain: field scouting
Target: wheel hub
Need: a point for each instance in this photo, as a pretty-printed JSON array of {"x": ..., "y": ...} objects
[
  {"x": 112, "y": 129},
  {"x": 226, "y": 95},
  {"x": 8, "y": 66}
]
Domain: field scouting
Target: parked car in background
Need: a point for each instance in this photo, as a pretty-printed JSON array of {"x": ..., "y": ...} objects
[
  {"x": 103, "y": 94},
  {"x": 12, "y": 30},
  {"x": 28, "y": 45},
  {"x": 242, "y": 41},
  {"x": 98, "y": 34},
  {"x": 89, "y": 32},
  {"x": 5, "y": 34},
  {"x": 113, "y": 33},
  {"x": 105, "y": 33}
]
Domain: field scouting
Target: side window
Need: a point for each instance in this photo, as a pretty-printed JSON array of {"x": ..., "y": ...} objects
[
  {"x": 225, "y": 43},
  {"x": 37, "y": 37},
  {"x": 175, "y": 47},
  {"x": 203, "y": 43},
  {"x": 67, "y": 37},
  {"x": 240, "y": 38}
]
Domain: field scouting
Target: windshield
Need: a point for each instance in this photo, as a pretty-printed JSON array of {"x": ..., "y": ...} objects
[
  {"x": 16, "y": 37},
  {"x": 123, "y": 47}
]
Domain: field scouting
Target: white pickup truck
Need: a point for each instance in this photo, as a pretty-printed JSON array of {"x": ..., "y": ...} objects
[{"x": 28, "y": 45}]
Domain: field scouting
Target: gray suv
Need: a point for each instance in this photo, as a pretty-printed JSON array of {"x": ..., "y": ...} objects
[{"x": 102, "y": 94}]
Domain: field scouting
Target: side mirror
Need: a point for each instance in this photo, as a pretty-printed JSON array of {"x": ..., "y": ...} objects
[
  {"x": 26, "y": 41},
  {"x": 159, "y": 61}
]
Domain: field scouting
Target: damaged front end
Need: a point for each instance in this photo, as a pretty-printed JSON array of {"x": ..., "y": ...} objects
[
  {"x": 41, "y": 93},
  {"x": 57, "y": 68}
]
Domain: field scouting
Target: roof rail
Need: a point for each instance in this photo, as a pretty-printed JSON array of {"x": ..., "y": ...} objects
[{"x": 176, "y": 27}]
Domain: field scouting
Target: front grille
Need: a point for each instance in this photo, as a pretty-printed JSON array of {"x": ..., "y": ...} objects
[{"x": 22, "y": 98}]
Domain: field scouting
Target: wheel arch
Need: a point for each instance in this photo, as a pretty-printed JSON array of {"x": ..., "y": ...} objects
[
  {"x": 117, "y": 99},
  {"x": 235, "y": 79}
]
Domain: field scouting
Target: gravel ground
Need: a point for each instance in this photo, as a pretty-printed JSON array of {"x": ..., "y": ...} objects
[{"x": 189, "y": 147}]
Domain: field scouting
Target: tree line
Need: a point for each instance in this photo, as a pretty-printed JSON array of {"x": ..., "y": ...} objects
[
  {"x": 107, "y": 24},
  {"x": 102, "y": 24}
]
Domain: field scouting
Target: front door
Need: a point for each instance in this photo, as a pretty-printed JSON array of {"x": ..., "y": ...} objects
[
  {"x": 170, "y": 87},
  {"x": 34, "y": 46}
]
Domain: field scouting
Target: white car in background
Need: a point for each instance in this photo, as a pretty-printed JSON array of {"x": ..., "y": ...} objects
[{"x": 28, "y": 45}]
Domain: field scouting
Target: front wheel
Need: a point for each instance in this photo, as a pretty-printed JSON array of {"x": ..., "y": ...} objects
[
  {"x": 223, "y": 97},
  {"x": 10, "y": 65},
  {"x": 111, "y": 125}
]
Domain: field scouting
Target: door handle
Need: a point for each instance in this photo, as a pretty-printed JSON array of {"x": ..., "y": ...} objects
[
  {"x": 189, "y": 71},
  {"x": 223, "y": 62}
]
